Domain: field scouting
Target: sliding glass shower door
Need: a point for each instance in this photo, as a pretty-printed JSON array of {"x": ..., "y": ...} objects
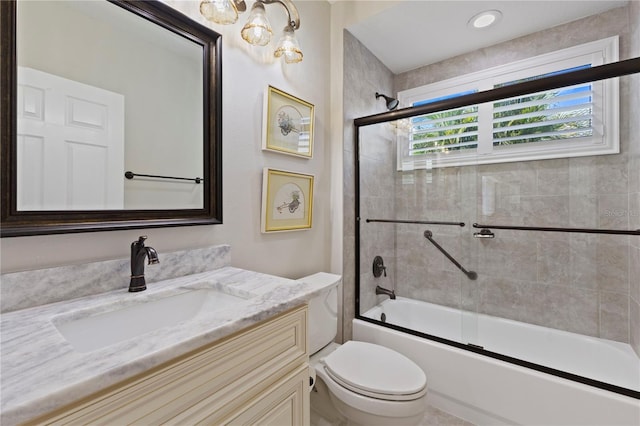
[
  {"x": 412, "y": 240},
  {"x": 530, "y": 261}
]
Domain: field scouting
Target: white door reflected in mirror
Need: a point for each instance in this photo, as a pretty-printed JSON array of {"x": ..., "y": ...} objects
[
  {"x": 70, "y": 144},
  {"x": 100, "y": 47}
]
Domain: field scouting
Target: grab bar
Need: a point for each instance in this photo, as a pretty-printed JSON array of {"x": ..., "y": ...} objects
[
  {"x": 548, "y": 229},
  {"x": 470, "y": 274},
  {"x": 420, "y": 222},
  {"x": 131, "y": 175}
]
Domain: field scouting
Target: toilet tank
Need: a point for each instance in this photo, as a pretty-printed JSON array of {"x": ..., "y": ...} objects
[{"x": 323, "y": 311}]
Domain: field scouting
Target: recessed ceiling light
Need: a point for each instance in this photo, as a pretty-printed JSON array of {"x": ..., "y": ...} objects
[{"x": 485, "y": 19}]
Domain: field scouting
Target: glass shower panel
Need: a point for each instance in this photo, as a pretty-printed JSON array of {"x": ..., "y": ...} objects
[
  {"x": 399, "y": 206},
  {"x": 565, "y": 297},
  {"x": 376, "y": 200}
]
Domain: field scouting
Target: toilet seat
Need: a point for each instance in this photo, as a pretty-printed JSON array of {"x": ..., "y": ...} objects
[{"x": 376, "y": 371}]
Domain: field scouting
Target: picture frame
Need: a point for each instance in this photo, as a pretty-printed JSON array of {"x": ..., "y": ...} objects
[
  {"x": 288, "y": 124},
  {"x": 287, "y": 201}
]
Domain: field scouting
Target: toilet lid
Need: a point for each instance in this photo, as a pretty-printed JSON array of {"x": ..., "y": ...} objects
[{"x": 376, "y": 371}]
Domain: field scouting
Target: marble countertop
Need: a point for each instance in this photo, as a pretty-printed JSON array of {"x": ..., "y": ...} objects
[{"x": 41, "y": 371}]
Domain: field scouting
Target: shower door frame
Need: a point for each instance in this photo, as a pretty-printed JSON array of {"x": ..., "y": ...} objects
[{"x": 602, "y": 72}]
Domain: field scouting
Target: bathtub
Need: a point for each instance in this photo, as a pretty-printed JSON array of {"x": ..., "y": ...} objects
[{"x": 487, "y": 390}]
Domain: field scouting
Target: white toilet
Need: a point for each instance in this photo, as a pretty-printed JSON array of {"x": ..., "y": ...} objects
[{"x": 368, "y": 384}]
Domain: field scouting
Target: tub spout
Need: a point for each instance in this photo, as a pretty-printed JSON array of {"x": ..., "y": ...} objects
[{"x": 390, "y": 293}]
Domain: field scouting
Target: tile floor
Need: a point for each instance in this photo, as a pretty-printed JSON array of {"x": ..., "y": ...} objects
[
  {"x": 323, "y": 412},
  {"x": 433, "y": 417}
]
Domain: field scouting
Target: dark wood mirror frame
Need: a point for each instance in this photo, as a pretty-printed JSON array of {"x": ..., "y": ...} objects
[{"x": 21, "y": 223}]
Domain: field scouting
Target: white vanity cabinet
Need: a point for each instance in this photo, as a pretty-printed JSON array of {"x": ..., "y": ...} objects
[{"x": 259, "y": 375}]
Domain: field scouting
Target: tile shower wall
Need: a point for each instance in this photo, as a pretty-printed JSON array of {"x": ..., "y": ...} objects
[
  {"x": 573, "y": 282},
  {"x": 576, "y": 282},
  {"x": 377, "y": 163},
  {"x": 364, "y": 75}
]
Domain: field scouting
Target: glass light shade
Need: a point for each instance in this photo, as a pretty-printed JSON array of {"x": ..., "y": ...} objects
[
  {"x": 288, "y": 47},
  {"x": 219, "y": 11},
  {"x": 257, "y": 30}
]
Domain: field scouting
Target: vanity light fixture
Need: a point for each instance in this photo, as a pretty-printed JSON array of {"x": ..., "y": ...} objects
[
  {"x": 257, "y": 31},
  {"x": 485, "y": 19},
  {"x": 222, "y": 11},
  {"x": 288, "y": 47}
]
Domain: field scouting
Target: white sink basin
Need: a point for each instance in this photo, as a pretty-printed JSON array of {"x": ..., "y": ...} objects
[{"x": 98, "y": 331}]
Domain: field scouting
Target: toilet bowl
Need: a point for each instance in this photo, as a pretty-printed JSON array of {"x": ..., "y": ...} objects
[
  {"x": 371, "y": 384},
  {"x": 368, "y": 384}
]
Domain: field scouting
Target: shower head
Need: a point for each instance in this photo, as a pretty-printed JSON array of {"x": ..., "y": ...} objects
[{"x": 392, "y": 103}]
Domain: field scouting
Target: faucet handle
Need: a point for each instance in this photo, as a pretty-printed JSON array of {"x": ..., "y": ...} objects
[
  {"x": 378, "y": 267},
  {"x": 141, "y": 239}
]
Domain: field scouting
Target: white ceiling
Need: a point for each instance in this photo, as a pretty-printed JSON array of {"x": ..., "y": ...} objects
[{"x": 415, "y": 33}]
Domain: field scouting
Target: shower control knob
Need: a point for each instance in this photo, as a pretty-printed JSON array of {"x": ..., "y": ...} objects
[{"x": 378, "y": 267}]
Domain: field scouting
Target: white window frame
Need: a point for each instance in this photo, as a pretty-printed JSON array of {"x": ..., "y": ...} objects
[{"x": 606, "y": 138}]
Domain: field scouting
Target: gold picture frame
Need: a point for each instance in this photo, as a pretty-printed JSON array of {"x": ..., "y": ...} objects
[
  {"x": 287, "y": 201},
  {"x": 287, "y": 124}
]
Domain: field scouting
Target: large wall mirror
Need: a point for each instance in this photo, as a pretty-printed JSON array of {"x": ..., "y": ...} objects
[{"x": 111, "y": 117}]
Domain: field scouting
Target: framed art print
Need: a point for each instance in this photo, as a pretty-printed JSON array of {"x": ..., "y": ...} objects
[
  {"x": 288, "y": 124},
  {"x": 287, "y": 201}
]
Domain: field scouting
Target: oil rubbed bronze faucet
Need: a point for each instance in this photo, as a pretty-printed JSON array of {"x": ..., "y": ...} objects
[
  {"x": 390, "y": 293},
  {"x": 138, "y": 252},
  {"x": 378, "y": 270}
]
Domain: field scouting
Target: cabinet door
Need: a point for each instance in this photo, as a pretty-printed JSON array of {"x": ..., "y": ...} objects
[{"x": 285, "y": 404}]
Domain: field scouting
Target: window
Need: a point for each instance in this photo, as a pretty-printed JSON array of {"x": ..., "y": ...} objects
[
  {"x": 445, "y": 131},
  {"x": 572, "y": 121}
]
